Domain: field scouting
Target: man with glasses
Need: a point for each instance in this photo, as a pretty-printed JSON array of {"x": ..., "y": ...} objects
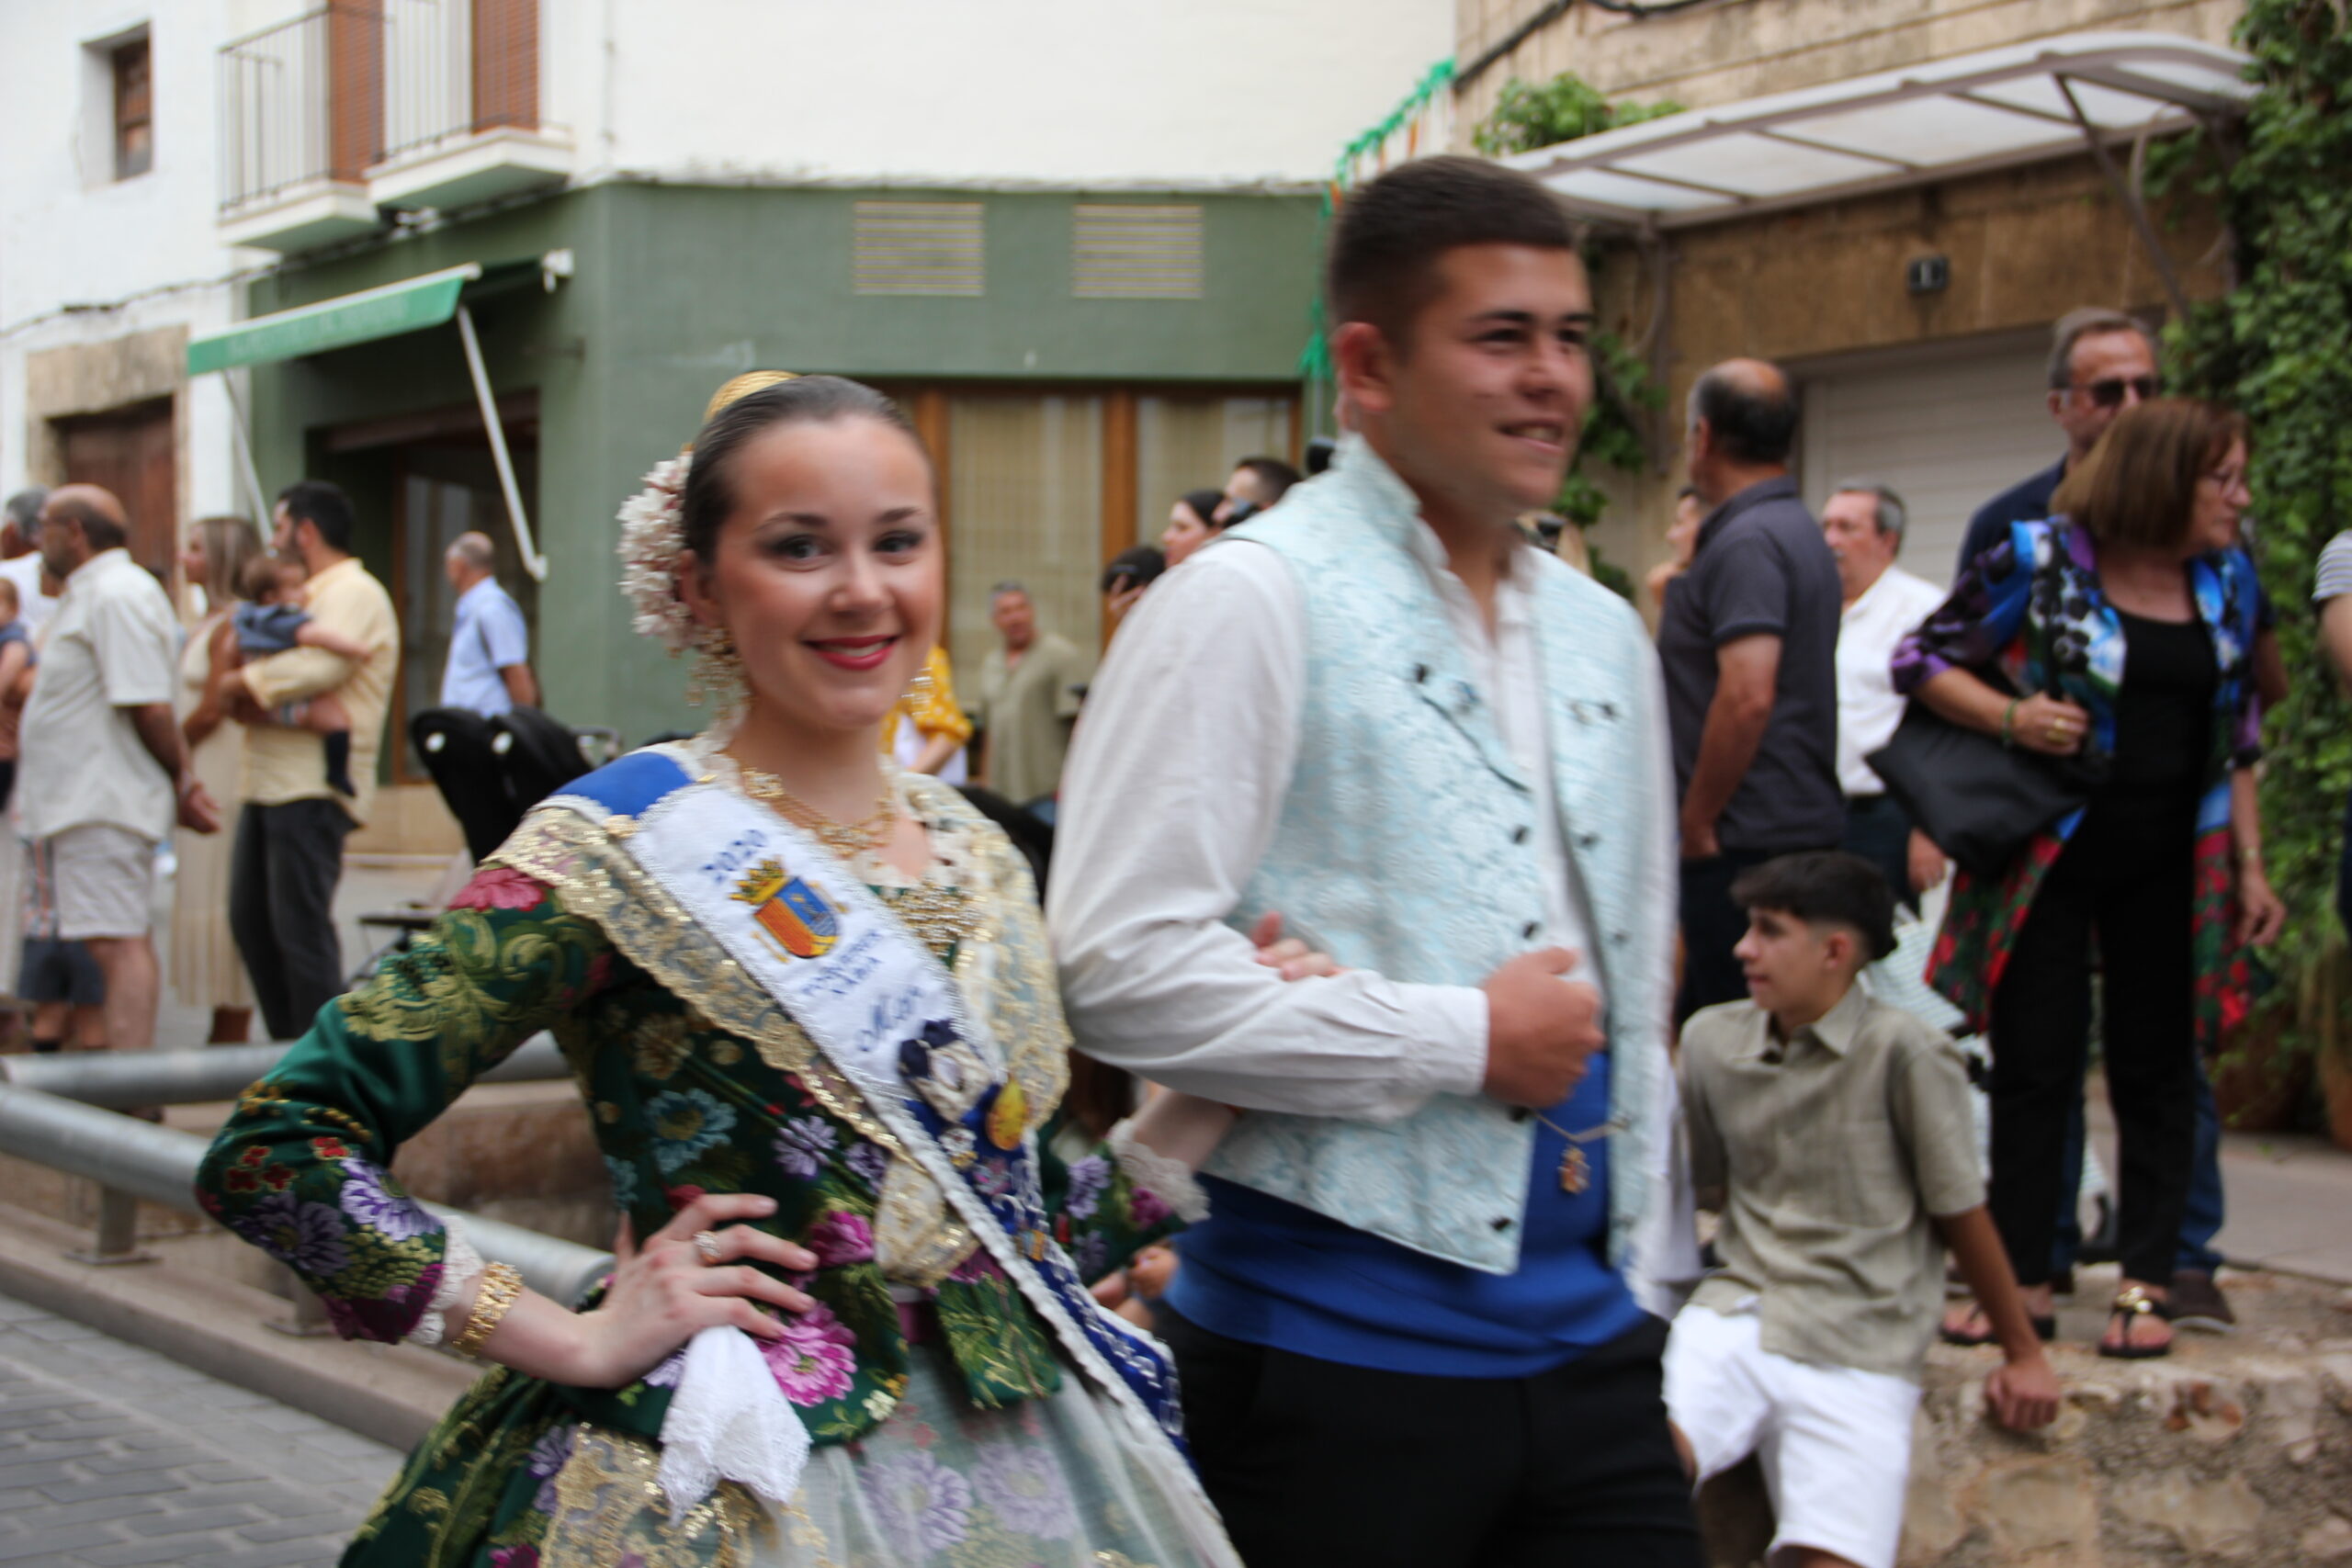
[{"x": 2101, "y": 362}]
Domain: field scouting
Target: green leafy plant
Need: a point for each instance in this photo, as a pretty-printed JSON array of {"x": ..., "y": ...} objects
[
  {"x": 1527, "y": 115},
  {"x": 2279, "y": 348}
]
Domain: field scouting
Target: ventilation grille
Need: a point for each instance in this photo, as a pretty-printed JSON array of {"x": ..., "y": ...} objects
[
  {"x": 919, "y": 247},
  {"x": 1135, "y": 253}
]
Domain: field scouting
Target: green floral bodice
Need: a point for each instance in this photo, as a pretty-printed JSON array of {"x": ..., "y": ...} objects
[{"x": 693, "y": 1082}]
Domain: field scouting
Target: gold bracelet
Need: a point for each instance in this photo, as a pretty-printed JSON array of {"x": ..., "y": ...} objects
[{"x": 500, "y": 1285}]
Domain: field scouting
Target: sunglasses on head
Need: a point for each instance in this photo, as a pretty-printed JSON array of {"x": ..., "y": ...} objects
[{"x": 2109, "y": 393}]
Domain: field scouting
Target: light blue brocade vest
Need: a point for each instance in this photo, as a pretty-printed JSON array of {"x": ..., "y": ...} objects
[{"x": 1403, "y": 848}]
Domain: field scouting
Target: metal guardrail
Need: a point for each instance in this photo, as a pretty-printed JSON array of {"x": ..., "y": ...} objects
[
  {"x": 122, "y": 1080},
  {"x": 134, "y": 1161}
]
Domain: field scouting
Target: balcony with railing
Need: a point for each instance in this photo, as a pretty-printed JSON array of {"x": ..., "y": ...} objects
[
  {"x": 366, "y": 104},
  {"x": 294, "y": 151}
]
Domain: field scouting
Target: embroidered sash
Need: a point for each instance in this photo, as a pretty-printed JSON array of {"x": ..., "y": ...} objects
[{"x": 888, "y": 1015}]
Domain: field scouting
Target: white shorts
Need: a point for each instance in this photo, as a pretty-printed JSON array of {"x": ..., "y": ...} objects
[
  {"x": 100, "y": 880},
  {"x": 1834, "y": 1443}
]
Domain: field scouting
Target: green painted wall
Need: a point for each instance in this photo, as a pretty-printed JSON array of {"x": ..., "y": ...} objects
[{"x": 679, "y": 288}]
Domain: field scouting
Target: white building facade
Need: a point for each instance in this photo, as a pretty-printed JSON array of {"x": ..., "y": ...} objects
[{"x": 127, "y": 225}]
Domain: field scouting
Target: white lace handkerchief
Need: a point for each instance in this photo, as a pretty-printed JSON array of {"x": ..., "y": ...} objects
[{"x": 729, "y": 1421}]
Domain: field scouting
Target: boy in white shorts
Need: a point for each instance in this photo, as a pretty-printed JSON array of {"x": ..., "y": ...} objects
[{"x": 1831, "y": 1132}]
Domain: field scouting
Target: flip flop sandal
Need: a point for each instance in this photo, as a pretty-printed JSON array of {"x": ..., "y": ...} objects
[
  {"x": 2044, "y": 1328},
  {"x": 2131, "y": 1304}
]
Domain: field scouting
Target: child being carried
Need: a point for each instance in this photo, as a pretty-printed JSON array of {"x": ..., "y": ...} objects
[{"x": 271, "y": 620}]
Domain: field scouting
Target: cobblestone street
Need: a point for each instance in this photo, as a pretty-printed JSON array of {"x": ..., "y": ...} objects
[{"x": 112, "y": 1455}]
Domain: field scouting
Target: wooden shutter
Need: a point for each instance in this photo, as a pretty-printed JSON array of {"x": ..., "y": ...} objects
[
  {"x": 355, "y": 89},
  {"x": 506, "y": 63}
]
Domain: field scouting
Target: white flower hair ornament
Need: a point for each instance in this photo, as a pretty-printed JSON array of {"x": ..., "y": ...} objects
[{"x": 653, "y": 535}]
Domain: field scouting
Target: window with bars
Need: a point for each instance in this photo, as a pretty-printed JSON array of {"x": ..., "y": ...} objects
[{"x": 134, "y": 108}]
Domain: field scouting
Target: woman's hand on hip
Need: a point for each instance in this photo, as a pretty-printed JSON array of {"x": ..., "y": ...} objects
[
  {"x": 2050, "y": 726},
  {"x": 2262, "y": 914},
  {"x": 667, "y": 1291}
]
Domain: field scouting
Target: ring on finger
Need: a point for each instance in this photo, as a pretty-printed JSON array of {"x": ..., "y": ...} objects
[{"x": 707, "y": 1244}]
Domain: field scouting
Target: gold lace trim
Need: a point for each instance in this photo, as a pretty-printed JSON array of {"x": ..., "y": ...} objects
[
  {"x": 1002, "y": 967},
  {"x": 575, "y": 858},
  {"x": 610, "y": 1507}
]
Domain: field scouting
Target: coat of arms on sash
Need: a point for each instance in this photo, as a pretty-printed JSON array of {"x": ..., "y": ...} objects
[{"x": 789, "y": 912}]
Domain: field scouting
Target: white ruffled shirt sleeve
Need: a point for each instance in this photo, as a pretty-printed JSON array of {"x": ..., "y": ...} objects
[{"x": 1174, "y": 785}]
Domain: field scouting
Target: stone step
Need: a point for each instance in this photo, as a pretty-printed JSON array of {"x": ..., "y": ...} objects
[
  {"x": 2234, "y": 1450},
  {"x": 521, "y": 1153},
  {"x": 220, "y": 1326}
]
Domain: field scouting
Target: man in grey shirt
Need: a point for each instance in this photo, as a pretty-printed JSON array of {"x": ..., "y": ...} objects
[{"x": 1749, "y": 641}]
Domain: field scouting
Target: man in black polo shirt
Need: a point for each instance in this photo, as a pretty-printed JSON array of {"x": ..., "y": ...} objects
[
  {"x": 2101, "y": 362},
  {"x": 1750, "y": 642}
]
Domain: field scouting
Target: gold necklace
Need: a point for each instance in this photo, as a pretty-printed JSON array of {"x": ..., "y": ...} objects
[
  {"x": 1575, "y": 1170},
  {"x": 865, "y": 836}
]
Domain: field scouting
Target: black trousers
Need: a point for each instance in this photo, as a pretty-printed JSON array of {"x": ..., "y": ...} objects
[
  {"x": 282, "y": 872},
  {"x": 1311, "y": 1461},
  {"x": 1879, "y": 832},
  {"x": 1712, "y": 927},
  {"x": 2126, "y": 878}
]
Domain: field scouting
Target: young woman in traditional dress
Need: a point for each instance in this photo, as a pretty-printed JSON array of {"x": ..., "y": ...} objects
[{"x": 808, "y": 1001}]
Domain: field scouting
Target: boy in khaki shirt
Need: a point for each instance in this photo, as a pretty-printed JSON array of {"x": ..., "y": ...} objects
[{"x": 1831, "y": 1132}]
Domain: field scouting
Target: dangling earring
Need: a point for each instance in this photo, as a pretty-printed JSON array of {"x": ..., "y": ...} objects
[
  {"x": 922, "y": 687},
  {"x": 718, "y": 679}
]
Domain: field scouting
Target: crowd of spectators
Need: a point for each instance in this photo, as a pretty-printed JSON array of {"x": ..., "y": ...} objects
[{"x": 127, "y": 734}]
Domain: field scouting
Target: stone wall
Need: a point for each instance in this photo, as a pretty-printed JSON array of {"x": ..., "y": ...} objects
[
  {"x": 2231, "y": 1451},
  {"x": 2026, "y": 245},
  {"x": 1744, "y": 49},
  {"x": 1808, "y": 287}
]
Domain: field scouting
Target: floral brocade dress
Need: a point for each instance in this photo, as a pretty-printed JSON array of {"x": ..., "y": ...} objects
[{"x": 951, "y": 1429}]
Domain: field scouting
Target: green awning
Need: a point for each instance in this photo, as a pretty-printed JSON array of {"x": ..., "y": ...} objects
[{"x": 386, "y": 311}]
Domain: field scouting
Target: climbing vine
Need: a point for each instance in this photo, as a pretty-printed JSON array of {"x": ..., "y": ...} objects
[
  {"x": 2278, "y": 346},
  {"x": 1527, "y": 116}
]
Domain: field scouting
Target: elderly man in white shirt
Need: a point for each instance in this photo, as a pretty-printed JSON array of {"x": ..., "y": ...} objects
[
  {"x": 1863, "y": 523},
  {"x": 104, "y": 774}
]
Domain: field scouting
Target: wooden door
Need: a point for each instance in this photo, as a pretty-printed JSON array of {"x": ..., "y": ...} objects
[{"x": 130, "y": 451}]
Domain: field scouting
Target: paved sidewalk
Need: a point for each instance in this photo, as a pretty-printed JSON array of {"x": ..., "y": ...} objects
[
  {"x": 112, "y": 1456},
  {"x": 2288, "y": 1197}
]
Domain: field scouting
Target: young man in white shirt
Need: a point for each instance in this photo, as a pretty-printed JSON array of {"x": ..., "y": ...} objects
[
  {"x": 103, "y": 775},
  {"x": 1412, "y": 1330},
  {"x": 1863, "y": 524}
]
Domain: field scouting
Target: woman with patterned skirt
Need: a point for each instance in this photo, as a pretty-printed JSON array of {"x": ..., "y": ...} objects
[
  {"x": 808, "y": 1003},
  {"x": 2120, "y": 630}
]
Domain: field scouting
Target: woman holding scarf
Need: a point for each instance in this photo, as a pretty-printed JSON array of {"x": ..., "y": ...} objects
[
  {"x": 808, "y": 1000},
  {"x": 2120, "y": 630}
]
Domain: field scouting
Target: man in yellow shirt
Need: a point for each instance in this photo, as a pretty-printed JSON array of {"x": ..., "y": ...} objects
[{"x": 288, "y": 853}]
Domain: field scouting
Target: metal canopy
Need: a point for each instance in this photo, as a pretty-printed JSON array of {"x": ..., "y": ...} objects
[
  {"x": 388, "y": 310},
  {"x": 1898, "y": 129}
]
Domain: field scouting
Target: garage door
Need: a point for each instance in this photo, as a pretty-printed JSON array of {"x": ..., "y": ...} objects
[{"x": 1947, "y": 432}]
